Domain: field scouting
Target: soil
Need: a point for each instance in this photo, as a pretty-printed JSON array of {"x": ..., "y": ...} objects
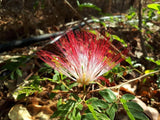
[{"x": 22, "y": 19}]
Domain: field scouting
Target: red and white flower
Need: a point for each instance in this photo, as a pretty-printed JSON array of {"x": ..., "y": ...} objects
[{"x": 82, "y": 56}]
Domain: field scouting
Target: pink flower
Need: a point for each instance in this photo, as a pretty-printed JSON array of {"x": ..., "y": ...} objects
[{"x": 82, "y": 56}]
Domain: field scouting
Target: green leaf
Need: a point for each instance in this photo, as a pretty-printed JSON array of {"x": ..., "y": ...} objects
[
  {"x": 154, "y": 6},
  {"x": 73, "y": 85},
  {"x": 56, "y": 76},
  {"x": 12, "y": 75},
  {"x": 131, "y": 15},
  {"x": 135, "y": 106},
  {"x": 52, "y": 95},
  {"x": 100, "y": 103},
  {"x": 152, "y": 60},
  {"x": 139, "y": 115},
  {"x": 14, "y": 63},
  {"x": 63, "y": 87},
  {"x": 75, "y": 116},
  {"x": 46, "y": 68},
  {"x": 34, "y": 77},
  {"x": 21, "y": 96},
  {"x": 119, "y": 39},
  {"x": 157, "y": 62},
  {"x": 88, "y": 116},
  {"x": 80, "y": 106},
  {"x": 19, "y": 72},
  {"x": 72, "y": 115},
  {"x": 91, "y": 100},
  {"x": 149, "y": 71},
  {"x": 92, "y": 111},
  {"x": 76, "y": 97},
  {"x": 102, "y": 116},
  {"x": 128, "y": 97},
  {"x": 108, "y": 95},
  {"x": 89, "y": 5},
  {"x": 68, "y": 106},
  {"x": 123, "y": 101},
  {"x": 129, "y": 60},
  {"x": 57, "y": 113},
  {"x": 65, "y": 109},
  {"x": 78, "y": 117},
  {"x": 112, "y": 110},
  {"x": 93, "y": 31},
  {"x": 59, "y": 103}
]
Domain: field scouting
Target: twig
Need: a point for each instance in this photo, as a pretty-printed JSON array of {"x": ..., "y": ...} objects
[
  {"x": 28, "y": 76},
  {"x": 114, "y": 87},
  {"x": 139, "y": 77},
  {"x": 128, "y": 81},
  {"x": 140, "y": 28},
  {"x": 77, "y": 14},
  {"x": 67, "y": 91}
]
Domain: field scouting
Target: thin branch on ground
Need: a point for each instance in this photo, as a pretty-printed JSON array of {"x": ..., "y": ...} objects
[
  {"x": 128, "y": 81},
  {"x": 114, "y": 87}
]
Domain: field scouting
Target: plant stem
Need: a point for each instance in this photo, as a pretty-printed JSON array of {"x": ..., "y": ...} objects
[
  {"x": 128, "y": 81},
  {"x": 140, "y": 29},
  {"x": 84, "y": 88}
]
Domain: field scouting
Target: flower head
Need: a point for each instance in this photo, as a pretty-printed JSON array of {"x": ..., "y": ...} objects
[{"x": 82, "y": 56}]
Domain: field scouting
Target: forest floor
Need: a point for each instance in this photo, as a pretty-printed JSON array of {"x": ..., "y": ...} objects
[{"x": 41, "y": 105}]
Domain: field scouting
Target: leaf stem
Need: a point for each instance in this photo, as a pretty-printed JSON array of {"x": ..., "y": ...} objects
[{"x": 84, "y": 88}]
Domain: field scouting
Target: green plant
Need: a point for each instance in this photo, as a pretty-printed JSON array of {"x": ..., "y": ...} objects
[
  {"x": 13, "y": 67},
  {"x": 39, "y": 3},
  {"x": 154, "y": 6},
  {"x": 88, "y": 5},
  {"x": 28, "y": 88},
  {"x": 133, "y": 109},
  {"x": 98, "y": 109}
]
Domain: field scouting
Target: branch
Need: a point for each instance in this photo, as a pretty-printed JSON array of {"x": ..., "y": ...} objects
[
  {"x": 140, "y": 29},
  {"x": 128, "y": 81},
  {"x": 77, "y": 13},
  {"x": 139, "y": 77},
  {"x": 114, "y": 87}
]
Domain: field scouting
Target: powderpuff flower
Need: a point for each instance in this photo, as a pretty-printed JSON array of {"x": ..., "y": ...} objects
[{"x": 83, "y": 56}]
